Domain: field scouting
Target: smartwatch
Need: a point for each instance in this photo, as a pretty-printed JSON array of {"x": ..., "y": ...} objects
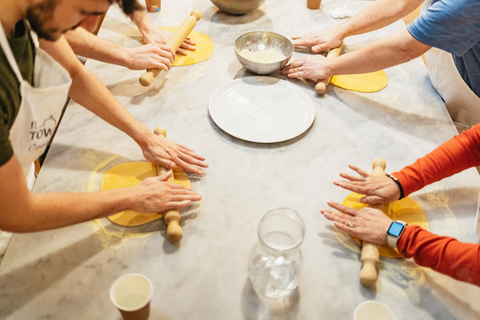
[{"x": 394, "y": 232}]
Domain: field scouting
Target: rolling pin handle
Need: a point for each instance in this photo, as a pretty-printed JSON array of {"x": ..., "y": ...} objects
[
  {"x": 368, "y": 274},
  {"x": 197, "y": 14},
  {"x": 379, "y": 164},
  {"x": 171, "y": 217},
  {"x": 174, "y": 231},
  {"x": 369, "y": 259},
  {"x": 321, "y": 86},
  {"x": 147, "y": 78},
  {"x": 159, "y": 131}
]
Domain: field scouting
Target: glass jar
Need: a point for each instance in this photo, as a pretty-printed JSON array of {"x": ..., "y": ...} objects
[{"x": 276, "y": 260}]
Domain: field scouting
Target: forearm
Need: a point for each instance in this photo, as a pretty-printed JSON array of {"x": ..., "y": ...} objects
[
  {"x": 381, "y": 54},
  {"x": 446, "y": 255},
  {"x": 90, "y": 46},
  {"x": 55, "y": 210},
  {"x": 86, "y": 90},
  {"x": 23, "y": 211},
  {"x": 455, "y": 155},
  {"x": 379, "y": 14},
  {"x": 141, "y": 20}
]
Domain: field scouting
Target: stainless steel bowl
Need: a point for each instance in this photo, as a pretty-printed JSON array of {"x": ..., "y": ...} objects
[
  {"x": 237, "y": 6},
  {"x": 257, "y": 41}
]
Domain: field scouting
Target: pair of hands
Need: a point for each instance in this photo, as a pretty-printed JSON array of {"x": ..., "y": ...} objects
[
  {"x": 155, "y": 194},
  {"x": 313, "y": 67},
  {"x": 370, "y": 224},
  {"x": 155, "y": 53}
]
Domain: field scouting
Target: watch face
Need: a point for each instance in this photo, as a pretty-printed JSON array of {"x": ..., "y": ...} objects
[{"x": 395, "y": 229}]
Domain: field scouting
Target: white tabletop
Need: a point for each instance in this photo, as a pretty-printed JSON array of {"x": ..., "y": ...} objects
[{"x": 67, "y": 273}]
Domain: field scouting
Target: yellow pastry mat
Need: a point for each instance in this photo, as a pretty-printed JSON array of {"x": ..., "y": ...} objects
[
  {"x": 406, "y": 210},
  {"x": 130, "y": 174},
  {"x": 204, "y": 47},
  {"x": 366, "y": 82}
]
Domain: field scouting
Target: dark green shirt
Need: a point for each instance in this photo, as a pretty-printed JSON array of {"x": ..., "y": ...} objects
[{"x": 23, "y": 50}]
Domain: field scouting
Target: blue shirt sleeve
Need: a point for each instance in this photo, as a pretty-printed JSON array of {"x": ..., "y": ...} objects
[{"x": 450, "y": 25}]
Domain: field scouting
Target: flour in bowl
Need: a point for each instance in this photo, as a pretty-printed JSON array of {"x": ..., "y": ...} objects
[{"x": 269, "y": 55}]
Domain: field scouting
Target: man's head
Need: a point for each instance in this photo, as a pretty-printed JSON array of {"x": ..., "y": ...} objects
[{"x": 51, "y": 18}]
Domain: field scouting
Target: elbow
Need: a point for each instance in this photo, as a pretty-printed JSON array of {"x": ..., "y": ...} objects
[
  {"x": 14, "y": 225},
  {"x": 18, "y": 220},
  {"x": 408, "y": 54},
  {"x": 408, "y": 47}
]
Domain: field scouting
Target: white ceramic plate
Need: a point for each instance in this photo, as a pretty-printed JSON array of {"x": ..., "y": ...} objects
[{"x": 262, "y": 109}]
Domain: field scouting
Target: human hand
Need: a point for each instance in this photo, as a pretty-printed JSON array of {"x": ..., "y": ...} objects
[
  {"x": 154, "y": 194},
  {"x": 368, "y": 224},
  {"x": 156, "y": 35},
  {"x": 378, "y": 189},
  {"x": 152, "y": 34},
  {"x": 312, "y": 67},
  {"x": 319, "y": 41},
  {"x": 149, "y": 56},
  {"x": 168, "y": 154}
]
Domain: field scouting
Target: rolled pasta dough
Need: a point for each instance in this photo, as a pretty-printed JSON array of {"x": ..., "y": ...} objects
[
  {"x": 130, "y": 174},
  {"x": 406, "y": 210},
  {"x": 366, "y": 82}
]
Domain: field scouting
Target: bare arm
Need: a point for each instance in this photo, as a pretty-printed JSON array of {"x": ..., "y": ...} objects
[
  {"x": 383, "y": 53},
  {"x": 86, "y": 89},
  {"x": 153, "y": 55},
  {"x": 23, "y": 211},
  {"x": 379, "y": 14},
  {"x": 446, "y": 255}
]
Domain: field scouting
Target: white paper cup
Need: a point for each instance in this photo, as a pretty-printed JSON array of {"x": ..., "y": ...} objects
[
  {"x": 373, "y": 310},
  {"x": 131, "y": 294}
]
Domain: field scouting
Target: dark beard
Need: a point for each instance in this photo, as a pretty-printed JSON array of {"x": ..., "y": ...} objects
[{"x": 38, "y": 16}]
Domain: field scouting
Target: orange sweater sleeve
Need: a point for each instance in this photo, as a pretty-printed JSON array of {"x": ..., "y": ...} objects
[
  {"x": 446, "y": 255},
  {"x": 455, "y": 155}
]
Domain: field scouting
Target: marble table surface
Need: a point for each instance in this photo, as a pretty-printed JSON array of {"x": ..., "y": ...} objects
[{"x": 67, "y": 273}]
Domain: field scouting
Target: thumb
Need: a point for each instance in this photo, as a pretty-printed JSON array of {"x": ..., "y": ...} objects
[
  {"x": 320, "y": 47},
  {"x": 166, "y": 163},
  {"x": 372, "y": 200},
  {"x": 166, "y": 176}
]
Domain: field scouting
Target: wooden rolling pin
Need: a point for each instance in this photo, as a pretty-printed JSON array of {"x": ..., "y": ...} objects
[
  {"x": 175, "y": 42},
  {"x": 370, "y": 254},
  {"x": 170, "y": 217},
  {"x": 321, "y": 85}
]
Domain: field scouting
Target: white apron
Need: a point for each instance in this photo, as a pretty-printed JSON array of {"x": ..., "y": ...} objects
[
  {"x": 461, "y": 102},
  {"x": 40, "y": 107},
  {"x": 39, "y": 111}
]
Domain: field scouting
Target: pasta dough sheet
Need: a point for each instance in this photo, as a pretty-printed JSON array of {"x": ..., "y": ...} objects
[
  {"x": 367, "y": 82},
  {"x": 406, "y": 210},
  {"x": 130, "y": 174}
]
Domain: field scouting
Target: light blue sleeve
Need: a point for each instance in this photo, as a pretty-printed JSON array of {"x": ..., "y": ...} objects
[{"x": 450, "y": 25}]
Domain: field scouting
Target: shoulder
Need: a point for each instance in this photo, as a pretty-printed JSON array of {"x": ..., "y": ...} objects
[{"x": 451, "y": 25}]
